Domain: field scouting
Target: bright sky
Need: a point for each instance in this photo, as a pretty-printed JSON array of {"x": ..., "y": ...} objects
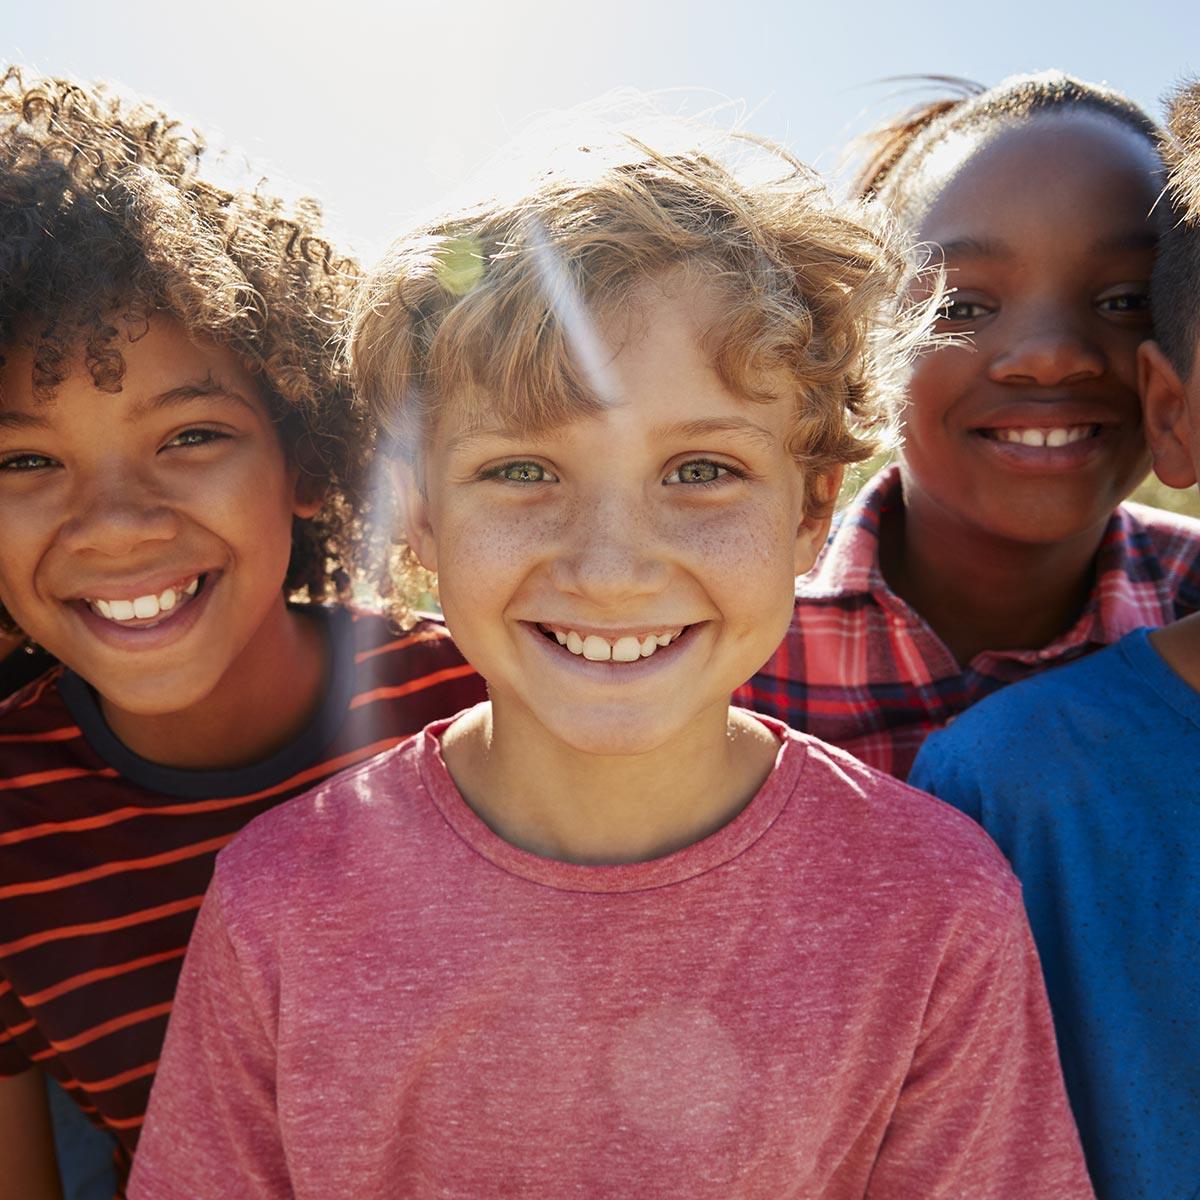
[{"x": 380, "y": 109}]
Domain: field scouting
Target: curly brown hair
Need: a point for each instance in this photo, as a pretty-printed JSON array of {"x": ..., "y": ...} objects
[
  {"x": 104, "y": 210},
  {"x": 465, "y": 310}
]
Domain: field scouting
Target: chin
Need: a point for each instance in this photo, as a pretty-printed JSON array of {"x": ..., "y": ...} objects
[{"x": 611, "y": 734}]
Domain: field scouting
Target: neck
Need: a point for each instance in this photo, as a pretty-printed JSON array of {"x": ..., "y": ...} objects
[
  {"x": 1179, "y": 645},
  {"x": 545, "y": 797},
  {"x": 982, "y": 593},
  {"x": 262, "y": 703}
]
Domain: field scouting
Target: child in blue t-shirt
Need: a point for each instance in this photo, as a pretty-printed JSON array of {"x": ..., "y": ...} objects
[{"x": 1086, "y": 777}]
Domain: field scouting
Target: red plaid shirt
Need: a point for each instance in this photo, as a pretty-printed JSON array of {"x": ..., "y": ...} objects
[{"x": 859, "y": 668}]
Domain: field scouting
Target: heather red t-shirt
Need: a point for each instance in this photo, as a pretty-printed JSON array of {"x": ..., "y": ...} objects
[{"x": 833, "y": 996}]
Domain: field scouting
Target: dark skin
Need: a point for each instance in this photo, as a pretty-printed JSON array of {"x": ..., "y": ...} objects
[
  {"x": 1023, "y": 437},
  {"x": 1172, "y": 406}
]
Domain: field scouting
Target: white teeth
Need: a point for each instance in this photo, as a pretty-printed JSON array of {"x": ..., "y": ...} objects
[
  {"x": 624, "y": 649},
  {"x": 144, "y": 607},
  {"x": 596, "y": 649},
  {"x": 1060, "y": 436}
]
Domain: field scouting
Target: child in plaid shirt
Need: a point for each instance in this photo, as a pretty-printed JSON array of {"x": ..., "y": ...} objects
[{"x": 998, "y": 545}]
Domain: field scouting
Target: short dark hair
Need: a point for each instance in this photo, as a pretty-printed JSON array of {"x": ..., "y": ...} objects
[
  {"x": 895, "y": 150},
  {"x": 106, "y": 208},
  {"x": 1175, "y": 285}
]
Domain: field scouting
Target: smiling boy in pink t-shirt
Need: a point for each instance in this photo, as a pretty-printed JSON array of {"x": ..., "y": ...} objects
[{"x": 605, "y": 935}]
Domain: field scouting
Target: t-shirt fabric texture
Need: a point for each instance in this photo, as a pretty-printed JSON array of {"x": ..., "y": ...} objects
[
  {"x": 1086, "y": 777},
  {"x": 835, "y": 995},
  {"x": 861, "y": 669},
  {"x": 105, "y": 857}
]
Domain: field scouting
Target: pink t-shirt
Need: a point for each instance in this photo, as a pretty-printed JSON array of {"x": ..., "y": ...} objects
[{"x": 835, "y": 995}]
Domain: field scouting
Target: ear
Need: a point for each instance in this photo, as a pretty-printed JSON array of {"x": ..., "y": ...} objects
[
  {"x": 814, "y": 528},
  {"x": 1165, "y": 417},
  {"x": 414, "y": 512},
  {"x": 308, "y": 494}
]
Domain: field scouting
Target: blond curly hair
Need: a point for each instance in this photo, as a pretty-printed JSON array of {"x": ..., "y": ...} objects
[{"x": 465, "y": 308}]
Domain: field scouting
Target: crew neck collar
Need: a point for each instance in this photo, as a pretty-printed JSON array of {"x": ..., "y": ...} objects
[
  {"x": 337, "y": 630},
  {"x": 719, "y": 848}
]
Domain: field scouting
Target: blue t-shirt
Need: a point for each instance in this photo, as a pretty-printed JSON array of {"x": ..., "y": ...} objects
[{"x": 1087, "y": 779}]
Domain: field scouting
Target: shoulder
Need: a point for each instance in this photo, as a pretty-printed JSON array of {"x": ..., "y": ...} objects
[
  {"x": 375, "y": 636},
  {"x": 1033, "y": 731},
  {"x": 327, "y": 829},
  {"x": 919, "y": 849},
  {"x": 28, "y": 707},
  {"x": 1169, "y": 544}
]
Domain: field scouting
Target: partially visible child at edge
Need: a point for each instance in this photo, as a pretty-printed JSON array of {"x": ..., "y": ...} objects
[
  {"x": 997, "y": 546},
  {"x": 179, "y": 454},
  {"x": 1100, "y": 820},
  {"x": 607, "y": 936}
]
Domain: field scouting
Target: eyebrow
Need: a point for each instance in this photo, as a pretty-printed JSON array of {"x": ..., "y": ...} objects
[
  {"x": 173, "y": 398},
  {"x": 974, "y": 248},
  {"x": 706, "y": 427}
]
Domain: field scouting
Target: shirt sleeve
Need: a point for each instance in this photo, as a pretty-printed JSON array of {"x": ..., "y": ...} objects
[
  {"x": 983, "y": 1111},
  {"x": 945, "y": 773},
  {"x": 211, "y": 1130}
]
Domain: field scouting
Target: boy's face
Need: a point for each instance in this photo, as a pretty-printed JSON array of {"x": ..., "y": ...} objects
[
  {"x": 666, "y": 531},
  {"x": 144, "y": 535},
  {"x": 1030, "y": 429},
  {"x": 1172, "y": 407}
]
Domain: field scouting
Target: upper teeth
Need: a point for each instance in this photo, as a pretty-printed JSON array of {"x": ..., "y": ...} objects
[
  {"x": 1046, "y": 437},
  {"x": 622, "y": 649},
  {"x": 144, "y": 606}
]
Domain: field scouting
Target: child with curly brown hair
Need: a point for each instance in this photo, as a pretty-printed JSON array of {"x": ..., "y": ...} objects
[
  {"x": 184, "y": 482},
  {"x": 606, "y": 935}
]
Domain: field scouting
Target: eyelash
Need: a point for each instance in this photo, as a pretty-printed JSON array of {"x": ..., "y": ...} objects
[
  {"x": 725, "y": 470},
  {"x": 29, "y": 461},
  {"x": 11, "y": 461}
]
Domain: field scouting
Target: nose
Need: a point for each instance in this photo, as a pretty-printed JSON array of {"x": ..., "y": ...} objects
[
  {"x": 1049, "y": 352},
  {"x": 115, "y": 515},
  {"x": 610, "y": 552}
]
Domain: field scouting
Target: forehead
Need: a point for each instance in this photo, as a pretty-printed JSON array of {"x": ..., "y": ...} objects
[
  {"x": 160, "y": 358},
  {"x": 1055, "y": 168},
  {"x": 651, "y": 365}
]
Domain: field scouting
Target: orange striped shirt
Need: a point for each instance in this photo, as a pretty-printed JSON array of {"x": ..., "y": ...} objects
[{"x": 104, "y": 857}]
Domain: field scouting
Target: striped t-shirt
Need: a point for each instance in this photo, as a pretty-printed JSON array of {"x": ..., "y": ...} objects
[{"x": 105, "y": 857}]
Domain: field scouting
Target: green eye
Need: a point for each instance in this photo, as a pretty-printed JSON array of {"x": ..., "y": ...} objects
[
  {"x": 699, "y": 470},
  {"x": 524, "y": 472}
]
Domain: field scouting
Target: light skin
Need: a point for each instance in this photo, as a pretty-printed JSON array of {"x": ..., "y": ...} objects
[
  {"x": 1172, "y": 407},
  {"x": 996, "y": 543},
  {"x": 179, "y": 476},
  {"x": 676, "y": 508}
]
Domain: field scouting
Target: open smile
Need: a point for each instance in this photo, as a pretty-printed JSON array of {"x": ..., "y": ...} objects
[
  {"x": 144, "y": 612},
  {"x": 149, "y": 619},
  {"x": 622, "y": 653},
  {"x": 624, "y": 647}
]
